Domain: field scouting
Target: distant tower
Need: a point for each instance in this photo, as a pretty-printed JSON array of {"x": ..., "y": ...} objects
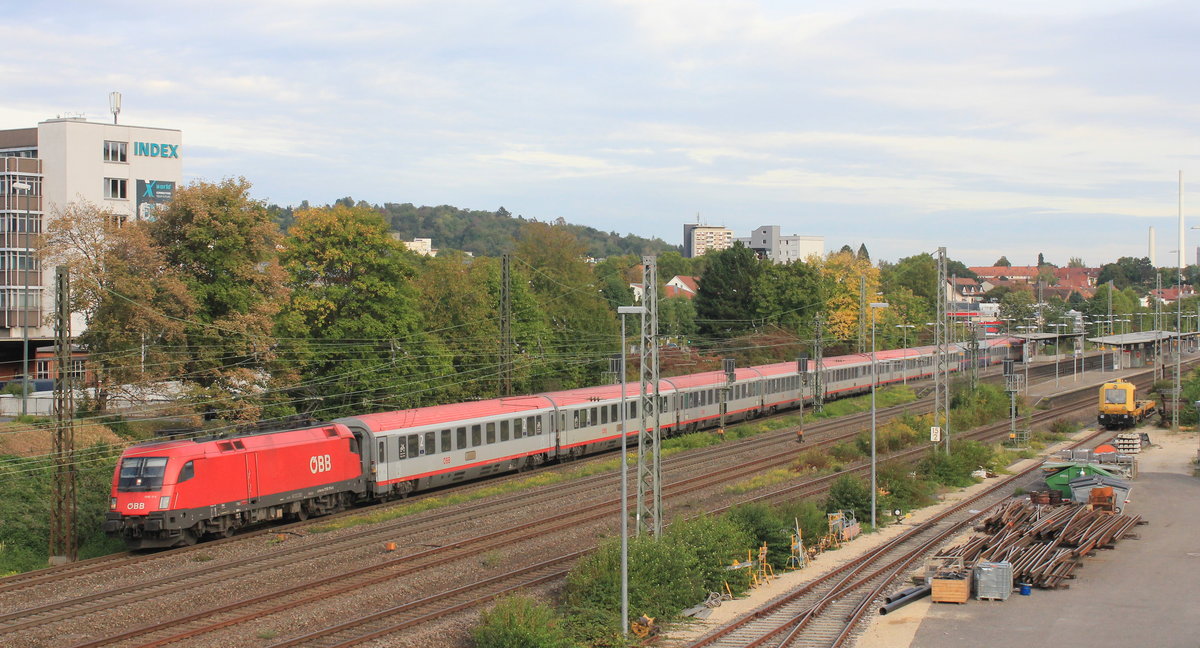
[
  {"x": 114, "y": 104},
  {"x": 1151, "y": 255}
]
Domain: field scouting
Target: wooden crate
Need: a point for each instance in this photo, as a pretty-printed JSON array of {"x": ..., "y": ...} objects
[{"x": 950, "y": 590}]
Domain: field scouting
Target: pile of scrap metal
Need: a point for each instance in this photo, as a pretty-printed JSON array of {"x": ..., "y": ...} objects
[
  {"x": 1116, "y": 464},
  {"x": 1044, "y": 544}
]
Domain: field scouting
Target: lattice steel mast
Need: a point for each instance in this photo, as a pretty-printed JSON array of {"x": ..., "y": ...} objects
[
  {"x": 649, "y": 492},
  {"x": 941, "y": 369}
]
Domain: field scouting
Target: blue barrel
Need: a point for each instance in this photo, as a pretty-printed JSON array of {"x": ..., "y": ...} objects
[{"x": 1026, "y": 589}]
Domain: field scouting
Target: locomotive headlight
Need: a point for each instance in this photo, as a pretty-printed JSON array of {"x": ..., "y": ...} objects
[
  {"x": 164, "y": 501},
  {"x": 112, "y": 503}
]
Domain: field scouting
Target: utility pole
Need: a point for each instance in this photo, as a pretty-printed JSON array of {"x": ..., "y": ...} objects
[
  {"x": 941, "y": 368},
  {"x": 505, "y": 325},
  {"x": 730, "y": 367},
  {"x": 649, "y": 491},
  {"x": 62, "y": 497},
  {"x": 818, "y": 382}
]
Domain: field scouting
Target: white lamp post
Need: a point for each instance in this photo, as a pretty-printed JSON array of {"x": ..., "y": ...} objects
[
  {"x": 874, "y": 379},
  {"x": 623, "y": 311}
]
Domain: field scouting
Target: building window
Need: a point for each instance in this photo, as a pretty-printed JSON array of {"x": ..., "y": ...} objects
[
  {"x": 115, "y": 188},
  {"x": 114, "y": 152}
]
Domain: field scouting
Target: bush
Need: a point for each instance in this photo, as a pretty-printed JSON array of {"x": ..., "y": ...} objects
[
  {"x": 955, "y": 470},
  {"x": 665, "y": 576},
  {"x": 520, "y": 622},
  {"x": 849, "y": 492}
]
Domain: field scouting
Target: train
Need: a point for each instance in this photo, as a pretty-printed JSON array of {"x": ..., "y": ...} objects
[
  {"x": 1119, "y": 409},
  {"x": 177, "y": 492}
]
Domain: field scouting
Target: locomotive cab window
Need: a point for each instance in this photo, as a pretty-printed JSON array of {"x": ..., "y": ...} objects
[
  {"x": 141, "y": 474},
  {"x": 187, "y": 472}
]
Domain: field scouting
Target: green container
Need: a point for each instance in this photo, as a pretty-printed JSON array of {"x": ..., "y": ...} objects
[{"x": 1058, "y": 481}]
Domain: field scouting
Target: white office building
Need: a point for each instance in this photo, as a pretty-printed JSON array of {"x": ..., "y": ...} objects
[
  {"x": 769, "y": 244},
  {"x": 127, "y": 170}
]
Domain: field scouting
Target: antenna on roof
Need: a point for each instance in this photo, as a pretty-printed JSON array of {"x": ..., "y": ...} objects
[{"x": 114, "y": 104}]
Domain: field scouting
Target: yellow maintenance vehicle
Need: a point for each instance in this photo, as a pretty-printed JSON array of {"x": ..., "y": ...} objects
[{"x": 1118, "y": 407}]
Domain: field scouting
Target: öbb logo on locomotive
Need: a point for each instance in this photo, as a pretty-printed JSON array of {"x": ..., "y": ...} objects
[{"x": 320, "y": 464}]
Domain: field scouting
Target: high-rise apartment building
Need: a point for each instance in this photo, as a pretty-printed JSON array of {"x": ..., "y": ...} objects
[
  {"x": 698, "y": 239},
  {"x": 127, "y": 170}
]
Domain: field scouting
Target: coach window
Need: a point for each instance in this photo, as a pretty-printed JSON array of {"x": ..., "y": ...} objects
[
  {"x": 603, "y": 416},
  {"x": 445, "y": 445},
  {"x": 476, "y": 435},
  {"x": 518, "y": 428},
  {"x": 430, "y": 448},
  {"x": 414, "y": 445},
  {"x": 382, "y": 451},
  {"x": 401, "y": 448},
  {"x": 575, "y": 419},
  {"x": 460, "y": 442},
  {"x": 594, "y": 418},
  {"x": 614, "y": 413},
  {"x": 504, "y": 430},
  {"x": 537, "y": 424},
  {"x": 491, "y": 432},
  {"x": 187, "y": 472},
  {"x": 633, "y": 409}
]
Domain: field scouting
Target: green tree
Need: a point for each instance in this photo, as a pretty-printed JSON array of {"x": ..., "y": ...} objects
[
  {"x": 677, "y": 317},
  {"x": 1003, "y": 261},
  {"x": 725, "y": 296},
  {"x": 789, "y": 295},
  {"x": 1130, "y": 271},
  {"x": 1075, "y": 262},
  {"x": 353, "y": 320},
  {"x": 1017, "y": 306},
  {"x": 580, "y": 321},
  {"x": 916, "y": 273},
  {"x": 222, "y": 244}
]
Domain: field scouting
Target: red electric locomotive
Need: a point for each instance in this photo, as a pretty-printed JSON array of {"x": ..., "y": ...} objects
[{"x": 172, "y": 493}]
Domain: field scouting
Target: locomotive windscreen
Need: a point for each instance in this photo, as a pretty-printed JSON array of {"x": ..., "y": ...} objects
[{"x": 141, "y": 474}]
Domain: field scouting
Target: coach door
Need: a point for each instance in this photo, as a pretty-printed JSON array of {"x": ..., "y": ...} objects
[{"x": 381, "y": 459}]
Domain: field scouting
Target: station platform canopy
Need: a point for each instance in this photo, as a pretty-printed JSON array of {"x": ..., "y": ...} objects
[{"x": 1141, "y": 337}]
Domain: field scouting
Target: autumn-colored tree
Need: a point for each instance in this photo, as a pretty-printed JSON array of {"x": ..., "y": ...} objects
[
  {"x": 842, "y": 272},
  {"x": 79, "y": 236},
  {"x": 137, "y": 324}
]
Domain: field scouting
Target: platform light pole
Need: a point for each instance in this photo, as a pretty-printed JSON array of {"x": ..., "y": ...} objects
[
  {"x": 1057, "y": 349},
  {"x": 874, "y": 380},
  {"x": 623, "y": 311}
]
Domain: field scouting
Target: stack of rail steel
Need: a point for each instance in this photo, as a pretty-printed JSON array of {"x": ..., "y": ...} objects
[{"x": 1044, "y": 543}]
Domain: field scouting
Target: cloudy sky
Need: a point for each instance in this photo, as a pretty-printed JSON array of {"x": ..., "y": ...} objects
[{"x": 989, "y": 128}]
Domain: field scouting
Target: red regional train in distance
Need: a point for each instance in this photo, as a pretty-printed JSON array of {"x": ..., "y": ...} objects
[{"x": 169, "y": 493}]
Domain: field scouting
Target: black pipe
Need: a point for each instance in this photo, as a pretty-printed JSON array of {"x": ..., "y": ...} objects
[
  {"x": 901, "y": 602},
  {"x": 895, "y": 596}
]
